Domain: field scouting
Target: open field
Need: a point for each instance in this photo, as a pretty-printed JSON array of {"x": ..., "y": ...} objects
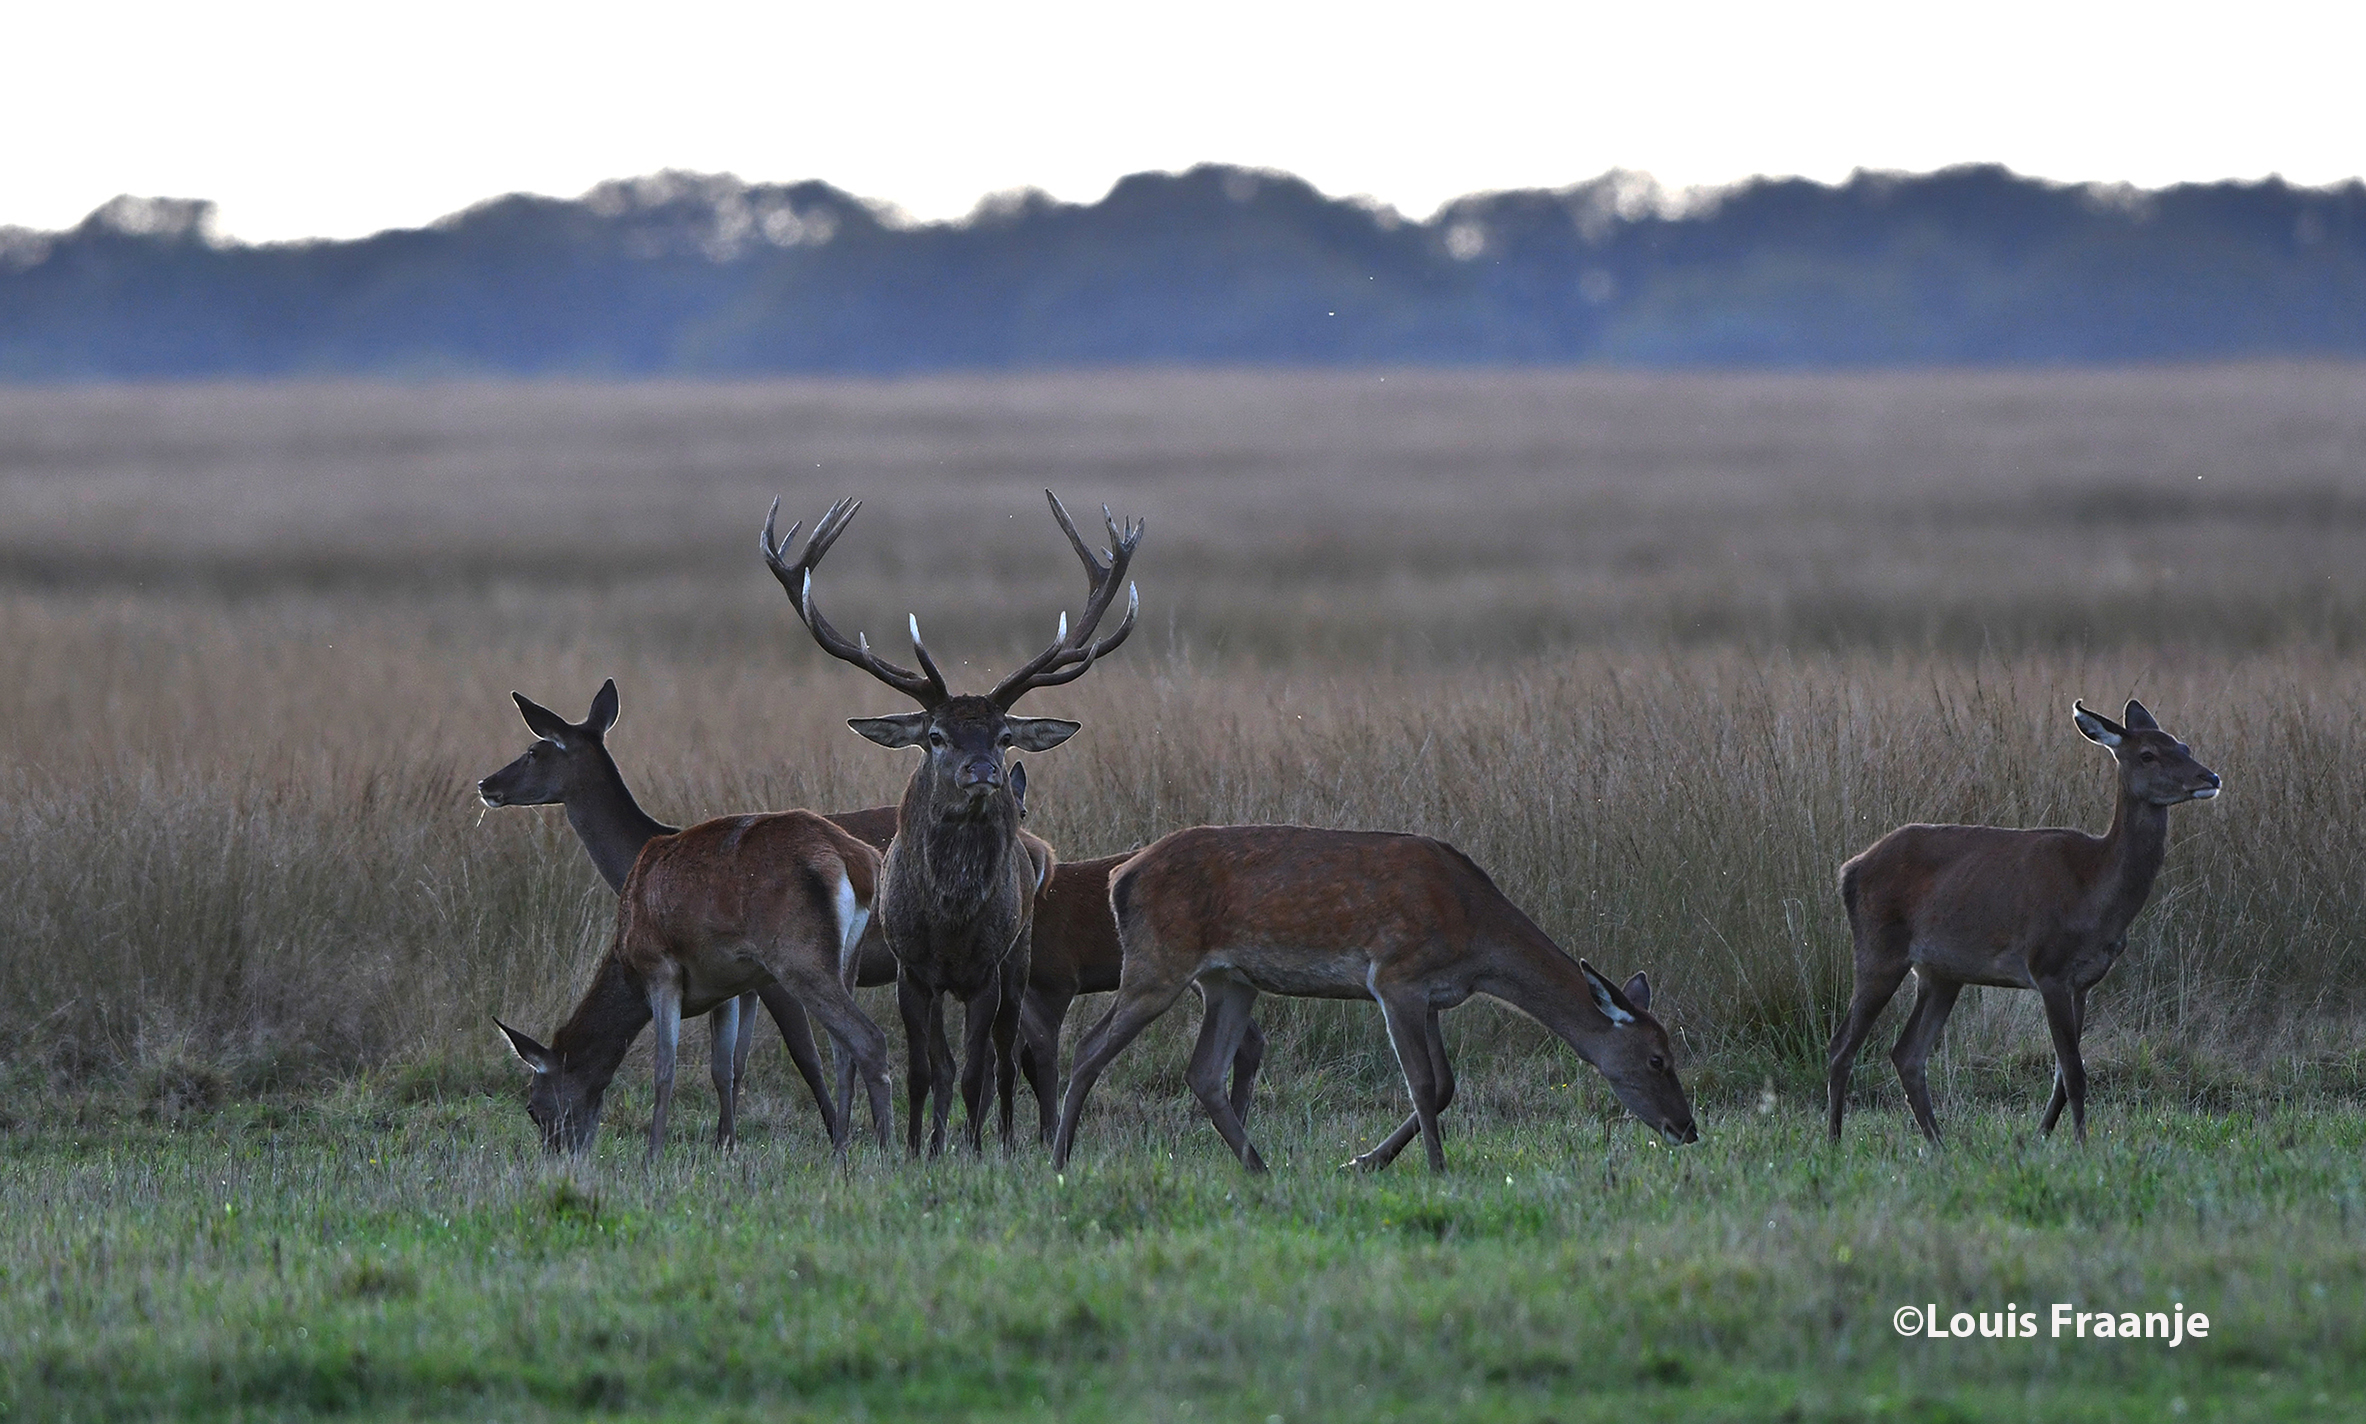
[
  {"x": 368, "y": 1256},
  {"x": 1659, "y": 653}
]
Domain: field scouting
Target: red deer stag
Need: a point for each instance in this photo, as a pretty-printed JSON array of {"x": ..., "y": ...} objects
[
  {"x": 1073, "y": 943},
  {"x": 957, "y": 890},
  {"x": 2014, "y": 909},
  {"x": 1409, "y": 922},
  {"x": 569, "y": 766},
  {"x": 765, "y": 904}
]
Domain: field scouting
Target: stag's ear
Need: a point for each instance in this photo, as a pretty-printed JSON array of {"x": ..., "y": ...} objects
[
  {"x": 1040, "y": 734},
  {"x": 905, "y": 729},
  {"x": 530, "y": 1053},
  {"x": 541, "y": 721},
  {"x": 1638, "y": 992},
  {"x": 2096, "y": 727},
  {"x": 1609, "y": 1000},
  {"x": 603, "y": 710},
  {"x": 1018, "y": 788},
  {"x": 2138, "y": 719}
]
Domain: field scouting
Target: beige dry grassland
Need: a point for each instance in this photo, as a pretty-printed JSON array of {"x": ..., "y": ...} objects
[{"x": 1659, "y": 651}]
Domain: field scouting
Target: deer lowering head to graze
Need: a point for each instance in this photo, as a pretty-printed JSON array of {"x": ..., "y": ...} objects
[
  {"x": 569, "y": 766},
  {"x": 1405, "y": 921},
  {"x": 958, "y": 887},
  {"x": 764, "y": 904},
  {"x": 2014, "y": 909}
]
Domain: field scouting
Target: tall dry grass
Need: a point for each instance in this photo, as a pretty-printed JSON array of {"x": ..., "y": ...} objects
[{"x": 1660, "y": 654}]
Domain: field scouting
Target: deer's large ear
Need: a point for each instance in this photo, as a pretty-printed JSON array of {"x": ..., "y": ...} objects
[
  {"x": 530, "y": 1053},
  {"x": 1607, "y": 998},
  {"x": 2138, "y": 719},
  {"x": 603, "y": 710},
  {"x": 2096, "y": 727},
  {"x": 541, "y": 721},
  {"x": 1040, "y": 734},
  {"x": 1638, "y": 992},
  {"x": 1018, "y": 788},
  {"x": 905, "y": 729}
]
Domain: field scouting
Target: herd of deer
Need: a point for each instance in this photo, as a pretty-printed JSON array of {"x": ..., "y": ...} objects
[{"x": 945, "y": 894}]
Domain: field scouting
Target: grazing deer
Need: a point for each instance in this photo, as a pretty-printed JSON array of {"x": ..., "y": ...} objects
[
  {"x": 2014, "y": 909},
  {"x": 1409, "y": 922},
  {"x": 569, "y": 766},
  {"x": 957, "y": 890},
  {"x": 763, "y": 904}
]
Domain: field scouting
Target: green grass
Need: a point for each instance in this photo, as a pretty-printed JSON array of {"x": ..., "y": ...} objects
[{"x": 400, "y": 1251}]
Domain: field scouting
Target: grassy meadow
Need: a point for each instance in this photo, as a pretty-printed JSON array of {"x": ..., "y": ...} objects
[{"x": 1659, "y": 652}]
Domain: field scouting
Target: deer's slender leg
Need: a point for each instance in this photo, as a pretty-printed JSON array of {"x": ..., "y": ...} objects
[
  {"x": 1228, "y": 1005},
  {"x": 1245, "y": 1062},
  {"x": 1934, "y": 1000},
  {"x": 1009, "y": 1012},
  {"x": 2062, "y": 1017},
  {"x": 665, "y": 1009},
  {"x": 2054, "y": 1105},
  {"x": 796, "y": 1034},
  {"x": 1396, "y": 1141},
  {"x": 1880, "y": 970},
  {"x": 1409, "y": 1026},
  {"x": 1136, "y": 1006},
  {"x": 913, "y": 1001},
  {"x": 723, "y": 1057},
  {"x": 1041, "y": 1012},
  {"x": 977, "y": 1051},
  {"x": 745, "y": 1029},
  {"x": 945, "y": 1077}
]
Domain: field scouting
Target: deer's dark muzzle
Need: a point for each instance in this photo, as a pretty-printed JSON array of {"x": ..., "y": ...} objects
[{"x": 978, "y": 775}]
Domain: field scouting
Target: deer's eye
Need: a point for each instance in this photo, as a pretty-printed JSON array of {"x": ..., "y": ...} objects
[
  {"x": 1003, "y": 740},
  {"x": 2147, "y": 756},
  {"x": 1658, "y": 1064},
  {"x": 936, "y": 739}
]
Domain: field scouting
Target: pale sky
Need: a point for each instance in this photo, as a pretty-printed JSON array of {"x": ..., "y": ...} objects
[{"x": 321, "y": 119}]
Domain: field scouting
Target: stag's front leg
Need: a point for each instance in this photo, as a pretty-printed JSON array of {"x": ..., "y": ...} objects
[
  {"x": 914, "y": 1003},
  {"x": 1009, "y": 1011},
  {"x": 978, "y": 1039},
  {"x": 665, "y": 1009}
]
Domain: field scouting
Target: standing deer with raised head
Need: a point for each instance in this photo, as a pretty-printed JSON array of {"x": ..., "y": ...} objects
[
  {"x": 957, "y": 890},
  {"x": 569, "y": 766},
  {"x": 2044, "y": 909},
  {"x": 1406, "y": 921},
  {"x": 764, "y": 904}
]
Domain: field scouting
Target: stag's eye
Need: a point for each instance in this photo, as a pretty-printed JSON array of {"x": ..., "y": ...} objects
[
  {"x": 936, "y": 739},
  {"x": 2148, "y": 756},
  {"x": 1658, "y": 1064},
  {"x": 1003, "y": 740}
]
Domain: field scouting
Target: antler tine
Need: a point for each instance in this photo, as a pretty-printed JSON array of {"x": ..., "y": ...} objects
[
  {"x": 1074, "y": 650},
  {"x": 825, "y": 533},
  {"x": 796, "y": 577}
]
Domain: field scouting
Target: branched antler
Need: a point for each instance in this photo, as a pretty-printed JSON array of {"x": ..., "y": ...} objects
[
  {"x": 1073, "y": 652},
  {"x": 927, "y": 687}
]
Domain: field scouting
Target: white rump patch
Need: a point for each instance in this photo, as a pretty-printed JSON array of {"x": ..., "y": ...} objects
[{"x": 853, "y": 918}]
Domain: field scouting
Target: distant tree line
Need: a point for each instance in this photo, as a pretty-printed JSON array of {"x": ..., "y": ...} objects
[{"x": 687, "y": 274}]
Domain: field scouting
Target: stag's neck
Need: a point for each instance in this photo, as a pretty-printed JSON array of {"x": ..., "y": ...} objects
[
  {"x": 611, "y": 1014},
  {"x": 965, "y": 850},
  {"x": 1531, "y": 973},
  {"x": 612, "y": 825},
  {"x": 2133, "y": 850}
]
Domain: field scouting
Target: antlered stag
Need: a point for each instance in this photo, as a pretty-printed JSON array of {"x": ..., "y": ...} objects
[
  {"x": 1406, "y": 921},
  {"x": 958, "y": 887},
  {"x": 2041, "y": 909}
]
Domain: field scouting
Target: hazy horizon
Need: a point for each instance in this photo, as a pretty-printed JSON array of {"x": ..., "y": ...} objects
[{"x": 299, "y": 124}]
